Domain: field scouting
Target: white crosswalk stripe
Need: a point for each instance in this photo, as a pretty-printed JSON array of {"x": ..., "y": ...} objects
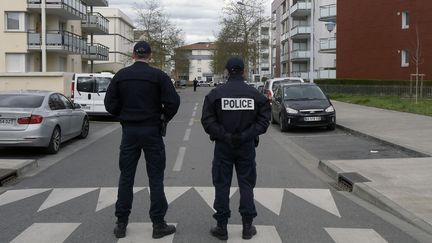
[
  {"x": 321, "y": 198},
  {"x": 16, "y": 195},
  {"x": 270, "y": 198},
  {"x": 46, "y": 232},
  {"x": 264, "y": 234},
  {"x": 62, "y": 195},
  {"x": 172, "y": 193},
  {"x": 343, "y": 235},
  {"x": 208, "y": 194},
  {"x": 142, "y": 232},
  {"x": 108, "y": 196}
]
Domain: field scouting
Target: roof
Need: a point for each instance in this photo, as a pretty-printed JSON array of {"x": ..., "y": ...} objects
[{"x": 200, "y": 46}]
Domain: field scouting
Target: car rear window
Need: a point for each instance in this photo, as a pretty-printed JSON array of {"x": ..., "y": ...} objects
[
  {"x": 102, "y": 83},
  {"x": 20, "y": 101},
  {"x": 85, "y": 84}
]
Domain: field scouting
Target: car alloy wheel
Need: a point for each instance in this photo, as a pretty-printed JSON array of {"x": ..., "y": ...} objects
[
  {"x": 54, "y": 144},
  {"x": 85, "y": 128}
]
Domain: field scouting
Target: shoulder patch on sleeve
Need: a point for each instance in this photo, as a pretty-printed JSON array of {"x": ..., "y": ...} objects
[{"x": 237, "y": 104}]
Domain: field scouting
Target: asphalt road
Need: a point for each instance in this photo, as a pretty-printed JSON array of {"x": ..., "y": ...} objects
[{"x": 70, "y": 198}]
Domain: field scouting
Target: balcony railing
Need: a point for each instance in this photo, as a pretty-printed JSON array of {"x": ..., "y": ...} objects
[
  {"x": 97, "y": 52},
  {"x": 97, "y": 3},
  {"x": 297, "y": 55},
  {"x": 328, "y": 45},
  {"x": 95, "y": 23},
  {"x": 67, "y": 9},
  {"x": 301, "y": 8},
  {"x": 300, "y": 32},
  {"x": 62, "y": 41},
  {"x": 328, "y": 13}
]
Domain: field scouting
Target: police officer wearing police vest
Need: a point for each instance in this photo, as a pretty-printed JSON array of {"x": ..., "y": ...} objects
[
  {"x": 234, "y": 115},
  {"x": 143, "y": 99}
]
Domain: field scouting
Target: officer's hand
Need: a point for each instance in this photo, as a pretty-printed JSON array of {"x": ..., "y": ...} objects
[{"x": 236, "y": 139}]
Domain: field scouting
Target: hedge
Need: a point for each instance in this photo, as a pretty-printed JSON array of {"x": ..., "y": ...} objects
[{"x": 369, "y": 82}]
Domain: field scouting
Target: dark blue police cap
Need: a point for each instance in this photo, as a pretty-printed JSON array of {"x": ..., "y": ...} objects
[
  {"x": 142, "y": 47},
  {"x": 235, "y": 64}
]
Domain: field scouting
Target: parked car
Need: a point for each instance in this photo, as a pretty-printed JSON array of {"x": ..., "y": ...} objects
[
  {"x": 302, "y": 105},
  {"x": 205, "y": 83},
  {"x": 40, "y": 119},
  {"x": 272, "y": 84},
  {"x": 89, "y": 89},
  {"x": 180, "y": 83}
]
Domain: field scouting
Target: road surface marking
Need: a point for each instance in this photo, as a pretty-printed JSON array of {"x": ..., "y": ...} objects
[
  {"x": 264, "y": 234},
  {"x": 340, "y": 235},
  {"x": 62, "y": 195},
  {"x": 191, "y": 122},
  {"x": 321, "y": 198},
  {"x": 208, "y": 194},
  {"x": 179, "y": 161},
  {"x": 42, "y": 233},
  {"x": 172, "y": 193},
  {"x": 16, "y": 195},
  {"x": 187, "y": 134},
  {"x": 142, "y": 232},
  {"x": 194, "y": 113},
  {"x": 271, "y": 198},
  {"x": 108, "y": 196}
]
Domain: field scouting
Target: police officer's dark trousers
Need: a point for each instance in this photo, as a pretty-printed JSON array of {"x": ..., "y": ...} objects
[
  {"x": 243, "y": 159},
  {"x": 136, "y": 138}
]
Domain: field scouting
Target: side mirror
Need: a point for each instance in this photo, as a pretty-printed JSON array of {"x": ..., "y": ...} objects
[{"x": 76, "y": 106}]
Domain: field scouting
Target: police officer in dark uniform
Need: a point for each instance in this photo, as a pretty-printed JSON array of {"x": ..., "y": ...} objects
[
  {"x": 143, "y": 99},
  {"x": 234, "y": 115}
]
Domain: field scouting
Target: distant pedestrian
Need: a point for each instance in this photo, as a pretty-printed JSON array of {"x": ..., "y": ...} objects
[
  {"x": 234, "y": 114},
  {"x": 195, "y": 84},
  {"x": 144, "y": 100}
]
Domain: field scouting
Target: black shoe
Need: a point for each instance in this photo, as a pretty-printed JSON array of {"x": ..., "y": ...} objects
[
  {"x": 220, "y": 232},
  {"x": 248, "y": 231},
  {"x": 162, "y": 229},
  {"x": 120, "y": 230}
]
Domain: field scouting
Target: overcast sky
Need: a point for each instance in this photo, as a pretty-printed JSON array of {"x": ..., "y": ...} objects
[{"x": 199, "y": 19}]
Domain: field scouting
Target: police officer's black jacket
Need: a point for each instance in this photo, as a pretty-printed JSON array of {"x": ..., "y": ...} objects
[
  {"x": 235, "y": 108},
  {"x": 141, "y": 94}
]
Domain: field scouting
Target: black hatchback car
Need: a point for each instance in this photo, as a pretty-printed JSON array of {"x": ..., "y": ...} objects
[{"x": 302, "y": 105}]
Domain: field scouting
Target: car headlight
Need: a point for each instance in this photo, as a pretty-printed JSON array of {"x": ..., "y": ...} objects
[
  {"x": 330, "y": 109},
  {"x": 291, "y": 111}
]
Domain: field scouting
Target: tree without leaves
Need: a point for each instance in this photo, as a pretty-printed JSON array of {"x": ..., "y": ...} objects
[
  {"x": 182, "y": 63},
  {"x": 238, "y": 35},
  {"x": 159, "y": 32}
]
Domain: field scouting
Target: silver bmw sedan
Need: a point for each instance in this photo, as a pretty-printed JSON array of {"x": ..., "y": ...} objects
[{"x": 40, "y": 119}]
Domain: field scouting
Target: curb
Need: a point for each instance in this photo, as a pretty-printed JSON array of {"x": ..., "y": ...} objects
[
  {"x": 367, "y": 193},
  {"x": 411, "y": 152},
  {"x": 17, "y": 168}
]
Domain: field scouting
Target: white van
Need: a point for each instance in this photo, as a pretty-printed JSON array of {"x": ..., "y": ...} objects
[{"x": 89, "y": 89}]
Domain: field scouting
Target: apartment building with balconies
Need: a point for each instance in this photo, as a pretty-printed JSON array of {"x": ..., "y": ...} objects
[
  {"x": 48, "y": 38},
  {"x": 120, "y": 40},
  {"x": 294, "y": 24},
  {"x": 380, "y": 39}
]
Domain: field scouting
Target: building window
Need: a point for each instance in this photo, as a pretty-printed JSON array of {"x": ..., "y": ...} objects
[
  {"x": 15, "y": 62},
  {"x": 14, "y": 21},
  {"x": 405, "y": 20},
  {"x": 405, "y": 58},
  {"x": 199, "y": 70}
]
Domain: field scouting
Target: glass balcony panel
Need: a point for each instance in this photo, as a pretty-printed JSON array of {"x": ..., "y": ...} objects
[
  {"x": 328, "y": 44},
  {"x": 328, "y": 13}
]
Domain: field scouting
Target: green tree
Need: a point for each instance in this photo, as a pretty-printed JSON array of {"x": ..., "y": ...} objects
[
  {"x": 239, "y": 33},
  {"x": 162, "y": 35}
]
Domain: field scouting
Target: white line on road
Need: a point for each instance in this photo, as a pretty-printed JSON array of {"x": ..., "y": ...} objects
[
  {"x": 194, "y": 113},
  {"x": 187, "y": 134},
  {"x": 180, "y": 157},
  {"x": 196, "y": 108},
  {"x": 191, "y": 122}
]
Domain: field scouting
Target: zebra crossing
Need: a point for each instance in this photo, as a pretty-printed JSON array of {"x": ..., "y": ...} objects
[{"x": 270, "y": 198}]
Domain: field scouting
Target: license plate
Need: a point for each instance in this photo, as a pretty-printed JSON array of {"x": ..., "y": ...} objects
[
  {"x": 313, "y": 118},
  {"x": 85, "y": 107},
  {"x": 7, "y": 122}
]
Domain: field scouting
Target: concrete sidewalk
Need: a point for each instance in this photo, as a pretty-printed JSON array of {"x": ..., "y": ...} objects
[{"x": 400, "y": 186}]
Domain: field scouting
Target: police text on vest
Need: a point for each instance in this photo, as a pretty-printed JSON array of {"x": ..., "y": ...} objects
[{"x": 237, "y": 104}]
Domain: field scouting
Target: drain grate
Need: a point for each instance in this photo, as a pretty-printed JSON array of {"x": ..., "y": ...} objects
[
  {"x": 349, "y": 179},
  {"x": 7, "y": 176}
]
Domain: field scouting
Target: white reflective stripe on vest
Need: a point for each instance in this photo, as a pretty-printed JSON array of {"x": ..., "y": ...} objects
[{"x": 237, "y": 104}]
